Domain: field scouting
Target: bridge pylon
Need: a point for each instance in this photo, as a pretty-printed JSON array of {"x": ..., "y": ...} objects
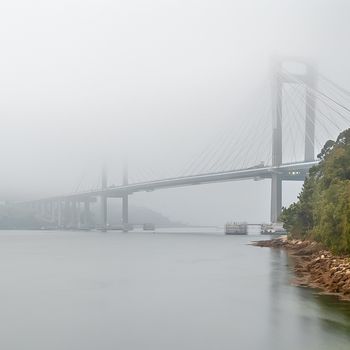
[{"x": 308, "y": 79}]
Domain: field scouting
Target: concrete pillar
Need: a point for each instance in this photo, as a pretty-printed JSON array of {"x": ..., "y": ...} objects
[
  {"x": 104, "y": 201},
  {"x": 276, "y": 180},
  {"x": 51, "y": 211},
  {"x": 276, "y": 197},
  {"x": 125, "y": 212},
  {"x": 104, "y": 213},
  {"x": 86, "y": 214},
  {"x": 310, "y": 114},
  {"x": 54, "y": 212},
  {"x": 276, "y": 114},
  {"x": 74, "y": 214},
  {"x": 59, "y": 214},
  {"x": 125, "y": 198},
  {"x": 67, "y": 215}
]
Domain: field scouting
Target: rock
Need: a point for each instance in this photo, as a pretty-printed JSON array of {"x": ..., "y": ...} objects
[{"x": 314, "y": 266}]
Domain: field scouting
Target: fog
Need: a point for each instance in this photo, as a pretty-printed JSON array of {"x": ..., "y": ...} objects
[{"x": 86, "y": 83}]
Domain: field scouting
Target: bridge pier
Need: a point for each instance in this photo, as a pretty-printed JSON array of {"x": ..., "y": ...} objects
[
  {"x": 276, "y": 180},
  {"x": 276, "y": 197},
  {"x": 125, "y": 212},
  {"x": 86, "y": 214},
  {"x": 125, "y": 198},
  {"x": 59, "y": 214},
  {"x": 103, "y": 199},
  {"x": 56, "y": 210},
  {"x": 74, "y": 214},
  {"x": 66, "y": 214},
  {"x": 53, "y": 210},
  {"x": 308, "y": 79}
]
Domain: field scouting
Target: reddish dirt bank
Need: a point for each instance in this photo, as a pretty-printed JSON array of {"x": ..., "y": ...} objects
[{"x": 316, "y": 267}]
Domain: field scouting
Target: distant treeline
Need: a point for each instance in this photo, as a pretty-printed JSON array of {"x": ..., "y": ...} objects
[
  {"x": 12, "y": 217},
  {"x": 322, "y": 211},
  {"x": 18, "y": 217}
]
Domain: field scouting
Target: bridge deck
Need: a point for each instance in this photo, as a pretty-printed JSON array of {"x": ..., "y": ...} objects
[{"x": 291, "y": 172}]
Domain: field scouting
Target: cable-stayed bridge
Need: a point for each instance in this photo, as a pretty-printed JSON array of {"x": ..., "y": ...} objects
[{"x": 306, "y": 109}]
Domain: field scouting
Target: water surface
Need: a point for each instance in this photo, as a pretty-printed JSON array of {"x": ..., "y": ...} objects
[{"x": 163, "y": 290}]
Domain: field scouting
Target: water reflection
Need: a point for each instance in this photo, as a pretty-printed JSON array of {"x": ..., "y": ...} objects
[
  {"x": 334, "y": 314},
  {"x": 73, "y": 290},
  {"x": 299, "y": 318}
]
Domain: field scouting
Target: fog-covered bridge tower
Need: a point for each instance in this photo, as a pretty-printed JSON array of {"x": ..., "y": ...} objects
[{"x": 307, "y": 78}]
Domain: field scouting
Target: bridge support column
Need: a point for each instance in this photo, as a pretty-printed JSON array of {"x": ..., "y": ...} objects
[
  {"x": 276, "y": 197},
  {"x": 86, "y": 214},
  {"x": 74, "y": 211},
  {"x": 59, "y": 215},
  {"x": 103, "y": 213},
  {"x": 104, "y": 201},
  {"x": 310, "y": 114},
  {"x": 54, "y": 212},
  {"x": 276, "y": 180},
  {"x": 66, "y": 218},
  {"x": 276, "y": 115},
  {"x": 125, "y": 198},
  {"x": 125, "y": 212}
]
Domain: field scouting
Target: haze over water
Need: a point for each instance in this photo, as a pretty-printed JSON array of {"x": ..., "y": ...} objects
[{"x": 199, "y": 290}]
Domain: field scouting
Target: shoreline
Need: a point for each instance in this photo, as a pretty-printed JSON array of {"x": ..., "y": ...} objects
[{"x": 315, "y": 267}]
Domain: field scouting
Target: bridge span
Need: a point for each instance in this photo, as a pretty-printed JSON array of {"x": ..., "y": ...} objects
[{"x": 64, "y": 211}]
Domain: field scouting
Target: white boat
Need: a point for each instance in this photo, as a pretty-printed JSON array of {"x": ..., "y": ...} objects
[{"x": 273, "y": 229}]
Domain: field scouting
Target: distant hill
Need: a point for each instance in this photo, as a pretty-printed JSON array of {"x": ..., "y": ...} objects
[
  {"x": 12, "y": 217},
  {"x": 137, "y": 216}
]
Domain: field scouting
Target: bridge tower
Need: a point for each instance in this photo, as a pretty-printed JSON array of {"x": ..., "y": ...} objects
[{"x": 308, "y": 79}]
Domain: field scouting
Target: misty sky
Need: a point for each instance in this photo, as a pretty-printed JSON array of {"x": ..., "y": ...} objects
[{"x": 84, "y": 82}]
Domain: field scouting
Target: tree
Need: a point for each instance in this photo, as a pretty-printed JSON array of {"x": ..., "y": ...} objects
[{"x": 322, "y": 211}]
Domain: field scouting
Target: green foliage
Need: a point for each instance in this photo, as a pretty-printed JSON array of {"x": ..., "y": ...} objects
[{"x": 322, "y": 211}]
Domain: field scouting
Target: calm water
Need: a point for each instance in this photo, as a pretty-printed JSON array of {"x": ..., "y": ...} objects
[{"x": 76, "y": 290}]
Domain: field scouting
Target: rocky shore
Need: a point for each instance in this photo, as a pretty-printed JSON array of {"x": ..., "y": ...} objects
[{"x": 315, "y": 266}]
